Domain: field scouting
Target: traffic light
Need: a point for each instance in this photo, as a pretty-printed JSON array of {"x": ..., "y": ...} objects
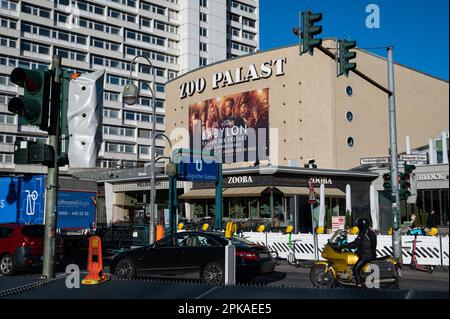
[
  {"x": 309, "y": 31},
  {"x": 409, "y": 169},
  {"x": 405, "y": 186},
  {"x": 344, "y": 57},
  {"x": 33, "y": 106},
  {"x": 387, "y": 182}
]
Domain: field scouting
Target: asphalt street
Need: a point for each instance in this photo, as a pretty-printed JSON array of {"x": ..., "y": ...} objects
[{"x": 289, "y": 276}]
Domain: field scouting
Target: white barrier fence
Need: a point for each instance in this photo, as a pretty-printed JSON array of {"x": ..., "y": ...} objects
[{"x": 433, "y": 251}]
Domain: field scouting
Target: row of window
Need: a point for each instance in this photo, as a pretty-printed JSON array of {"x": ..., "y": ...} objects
[
  {"x": 127, "y": 148},
  {"x": 54, "y": 34},
  {"x": 6, "y": 158},
  {"x": 6, "y": 118},
  {"x": 243, "y": 7},
  {"x": 7, "y": 42},
  {"x": 157, "y": 56},
  {"x": 142, "y": 117},
  {"x": 246, "y": 35},
  {"x": 4, "y": 80},
  {"x": 8, "y": 23},
  {"x": 8, "y": 5},
  {"x": 133, "y": 35},
  {"x": 242, "y": 47},
  {"x": 12, "y": 62},
  {"x": 119, "y": 131},
  {"x": 7, "y": 139},
  {"x": 36, "y": 11},
  {"x": 245, "y": 21}
]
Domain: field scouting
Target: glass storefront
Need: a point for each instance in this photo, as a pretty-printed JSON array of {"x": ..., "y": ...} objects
[{"x": 437, "y": 200}]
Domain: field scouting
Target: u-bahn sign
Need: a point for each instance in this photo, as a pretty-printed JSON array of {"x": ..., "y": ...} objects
[{"x": 197, "y": 171}]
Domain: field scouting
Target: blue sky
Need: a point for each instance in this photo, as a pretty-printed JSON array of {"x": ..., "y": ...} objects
[{"x": 405, "y": 24}]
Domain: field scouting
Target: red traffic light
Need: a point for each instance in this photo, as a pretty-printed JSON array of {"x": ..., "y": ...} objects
[
  {"x": 28, "y": 79},
  {"x": 387, "y": 177}
]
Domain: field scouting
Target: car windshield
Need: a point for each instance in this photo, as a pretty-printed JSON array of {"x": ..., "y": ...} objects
[{"x": 34, "y": 231}]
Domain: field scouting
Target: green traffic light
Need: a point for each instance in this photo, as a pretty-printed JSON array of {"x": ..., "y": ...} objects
[
  {"x": 309, "y": 30},
  {"x": 344, "y": 57}
]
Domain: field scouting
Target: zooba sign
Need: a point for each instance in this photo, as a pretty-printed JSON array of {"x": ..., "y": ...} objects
[{"x": 232, "y": 77}]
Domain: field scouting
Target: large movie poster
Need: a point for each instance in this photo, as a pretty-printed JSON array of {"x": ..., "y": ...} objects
[{"x": 236, "y": 126}]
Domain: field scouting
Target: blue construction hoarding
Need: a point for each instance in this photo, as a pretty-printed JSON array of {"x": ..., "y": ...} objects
[{"x": 22, "y": 201}]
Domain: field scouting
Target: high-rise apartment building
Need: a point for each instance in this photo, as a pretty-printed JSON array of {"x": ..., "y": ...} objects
[{"x": 176, "y": 35}]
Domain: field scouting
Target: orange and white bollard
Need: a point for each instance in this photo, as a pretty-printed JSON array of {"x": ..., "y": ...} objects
[{"x": 95, "y": 263}]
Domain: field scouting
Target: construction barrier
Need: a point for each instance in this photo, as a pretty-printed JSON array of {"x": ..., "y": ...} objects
[
  {"x": 433, "y": 251},
  {"x": 444, "y": 248}
]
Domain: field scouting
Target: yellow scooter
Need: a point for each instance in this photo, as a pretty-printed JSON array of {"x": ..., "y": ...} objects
[{"x": 382, "y": 272}]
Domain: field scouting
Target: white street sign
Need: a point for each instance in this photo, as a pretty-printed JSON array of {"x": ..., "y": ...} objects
[
  {"x": 374, "y": 161},
  {"x": 422, "y": 157}
]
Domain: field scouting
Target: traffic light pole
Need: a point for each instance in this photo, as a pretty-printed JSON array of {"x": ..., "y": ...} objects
[
  {"x": 396, "y": 225},
  {"x": 51, "y": 194}
]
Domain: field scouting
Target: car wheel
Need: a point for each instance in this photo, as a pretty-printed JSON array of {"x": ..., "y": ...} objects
[
  {"x": 213, "y": 274},
  {"x": 7, "y": 267},
  {"x": 125, "y": 269}
]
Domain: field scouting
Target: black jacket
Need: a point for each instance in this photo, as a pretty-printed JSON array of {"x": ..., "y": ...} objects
[{"x": 366, "y": 243}]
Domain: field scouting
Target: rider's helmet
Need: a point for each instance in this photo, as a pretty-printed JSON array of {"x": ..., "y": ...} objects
[{"x": 363, "y": 224}]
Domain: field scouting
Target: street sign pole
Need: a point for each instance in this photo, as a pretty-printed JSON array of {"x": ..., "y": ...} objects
[
  {"x": 51, "y": 194},
  {"x": 396, "y": 217},
  {"x": 218, "y": 221},
  {"x": 312, "y": 200}
]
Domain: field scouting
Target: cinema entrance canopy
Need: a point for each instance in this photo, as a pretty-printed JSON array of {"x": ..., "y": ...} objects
[{"x": 278, "y": 196}]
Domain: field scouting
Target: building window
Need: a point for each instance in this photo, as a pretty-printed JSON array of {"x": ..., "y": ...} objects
[
  {"x": 203, "y": 32},
  {"x": 349, "y": 116},
  {"x": 203, "y": 17},
  {"x": 203, "y": 47},
  {"x": 203, "y": 62},
  {"x": 204, "y": 3},
  {"x": 350, "y": 142},
  {"x": 349, "y": 90}
]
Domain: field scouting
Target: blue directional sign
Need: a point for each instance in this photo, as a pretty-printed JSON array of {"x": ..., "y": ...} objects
[{"x": 197, "y": 170}]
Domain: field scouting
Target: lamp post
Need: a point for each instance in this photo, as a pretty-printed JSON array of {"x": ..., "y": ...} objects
[{"x": 130, "y": 96}]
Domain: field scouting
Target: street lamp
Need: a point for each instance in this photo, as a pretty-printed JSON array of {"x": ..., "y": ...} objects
[{"x": 130, "y": 96}]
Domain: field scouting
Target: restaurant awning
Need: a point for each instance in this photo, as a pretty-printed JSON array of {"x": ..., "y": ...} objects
[
  {"x": 254, "y": 191},
  {"x": 291, "y": 191},
  {"x": 199, "y": 194},
  {"x": 333, "y": 192}
]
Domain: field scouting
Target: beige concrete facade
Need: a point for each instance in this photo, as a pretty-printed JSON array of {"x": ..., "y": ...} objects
[{"x": 308, "y": 106}]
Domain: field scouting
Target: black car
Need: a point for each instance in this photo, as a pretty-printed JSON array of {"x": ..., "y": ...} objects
[{"x": 193, "y": 253}]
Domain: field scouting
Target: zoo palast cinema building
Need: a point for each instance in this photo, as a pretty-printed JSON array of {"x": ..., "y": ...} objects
[
  {"x": 293, "y": 109},
  {"x": 300, "y": 112}
]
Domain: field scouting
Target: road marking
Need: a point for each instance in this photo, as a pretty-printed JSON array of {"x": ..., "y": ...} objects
[{"x": 209, "y": 291}]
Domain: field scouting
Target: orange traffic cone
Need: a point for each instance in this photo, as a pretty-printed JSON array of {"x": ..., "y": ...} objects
[{"x": 95, "y": 263}]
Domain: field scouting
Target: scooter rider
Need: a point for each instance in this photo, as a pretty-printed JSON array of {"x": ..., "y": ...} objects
[{"x": 366, "y": 245}]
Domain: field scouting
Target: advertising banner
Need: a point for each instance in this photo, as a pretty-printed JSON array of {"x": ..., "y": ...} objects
[
  {"x": 76, "y": 209},
  {"x": 236, "y": 126},
  {"x": 22, "y": 199}
]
